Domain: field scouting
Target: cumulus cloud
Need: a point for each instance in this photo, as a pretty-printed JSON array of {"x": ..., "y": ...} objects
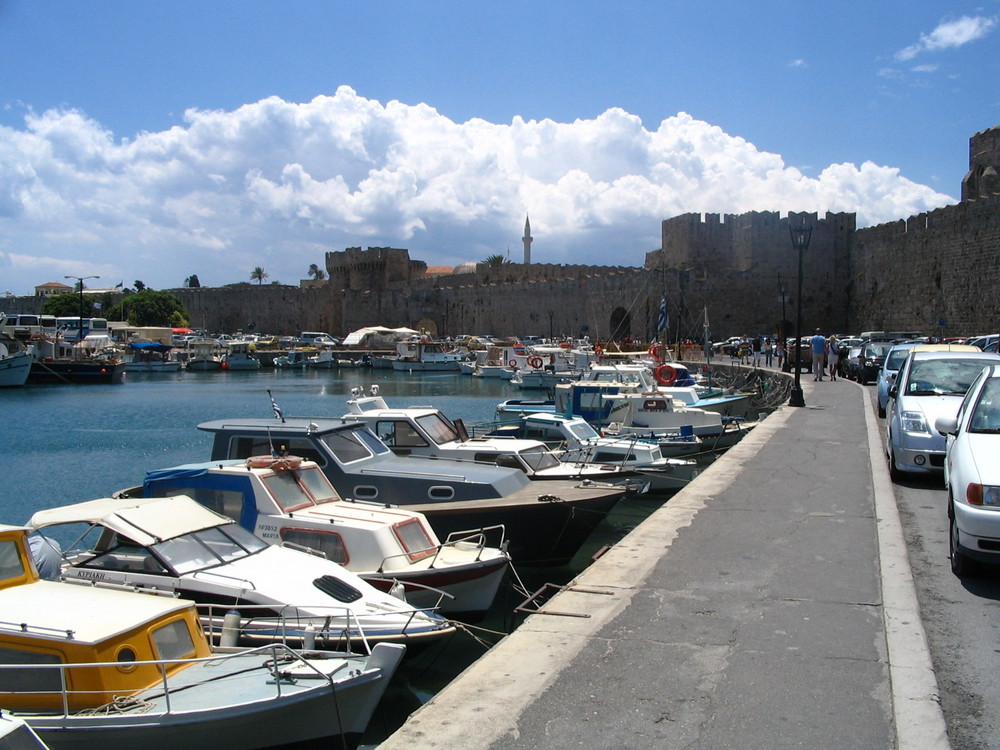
[
  {"x": 277, "y": 184},
  {"x": 949, "y": 35}
]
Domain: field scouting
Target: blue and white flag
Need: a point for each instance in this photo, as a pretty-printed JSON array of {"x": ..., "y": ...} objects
[
  {"x": 664, "y": 319},
  {"x": 274, "y": 405}
]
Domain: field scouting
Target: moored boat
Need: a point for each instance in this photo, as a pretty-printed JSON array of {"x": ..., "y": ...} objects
[{"x": 94, "y": 667}]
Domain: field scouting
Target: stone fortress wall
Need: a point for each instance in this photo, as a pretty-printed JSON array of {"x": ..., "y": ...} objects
[{"x": 739, "y": 269}]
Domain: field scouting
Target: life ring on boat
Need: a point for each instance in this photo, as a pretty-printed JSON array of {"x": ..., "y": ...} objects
[
  {"x": 512, "y": 364},
  {"x": 656, "y": 352},
  {"x": 273, "y": 462},
  {"x": 565, "y": 345},
  {"x": 599, "y": 351},
  {"x": 535, "y": 361},
  {"x": 665, "y": 375}
]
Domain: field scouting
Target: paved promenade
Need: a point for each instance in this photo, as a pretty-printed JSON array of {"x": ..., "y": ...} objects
[{"x": 768, "y": 605}]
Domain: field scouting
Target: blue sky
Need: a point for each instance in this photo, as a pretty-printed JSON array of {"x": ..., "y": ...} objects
[{"x": 154, "y": 140}]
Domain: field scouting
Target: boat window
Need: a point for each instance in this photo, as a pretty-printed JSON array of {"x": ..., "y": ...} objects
[
  {"x": 28, "y": 680},
  {"x": 397, "y": 434},
  {"x": 173, "y": 640},
  {"x": 318, "y": 485},
  {"x": 247, "y": 540},
  {"x": 346, "y": 445},
  {"x": 414, "y": 538},
  {"x": 11, "y": 565},
  {"x": 583, "y": 431},
  {"x": 654, "y": 404},
  {"x": 200, "y": 550},
  {"x": 375, "y": 445},
  {"x": 286, "y": 491},
  {"x": 539, "y": 458},
  {"x": 328, "y": 543},
  {"x": 440, "y": 430},
  {"x": 606, "y": 457}
]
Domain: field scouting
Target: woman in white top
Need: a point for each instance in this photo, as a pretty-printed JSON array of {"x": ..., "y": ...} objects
[{"x": 832, "y": 356}]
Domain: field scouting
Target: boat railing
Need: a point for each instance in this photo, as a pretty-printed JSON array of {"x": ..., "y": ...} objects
[
  {"x": 24, "y": 627},
  {"x": 278, "y": 656}
]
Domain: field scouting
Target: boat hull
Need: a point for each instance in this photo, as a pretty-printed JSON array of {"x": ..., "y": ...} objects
[
  {"x": 14, "y": 370},
  {"x": 77, "y": 372}
]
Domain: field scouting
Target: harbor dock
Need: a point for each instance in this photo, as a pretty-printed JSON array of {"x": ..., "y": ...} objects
[{"x": 769, "y": 604}]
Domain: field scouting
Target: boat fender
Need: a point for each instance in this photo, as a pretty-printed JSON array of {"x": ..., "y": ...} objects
[
  {"x": 665, "y": 375},
  {"x": 230, "y": 629}
]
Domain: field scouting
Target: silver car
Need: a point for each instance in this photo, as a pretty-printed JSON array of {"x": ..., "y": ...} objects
[
  {"x": 930, "y": 384},
  {"x": 887, "y": 375}
]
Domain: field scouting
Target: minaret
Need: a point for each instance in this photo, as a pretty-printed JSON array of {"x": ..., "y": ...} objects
[{"x": 527, "y": 240}]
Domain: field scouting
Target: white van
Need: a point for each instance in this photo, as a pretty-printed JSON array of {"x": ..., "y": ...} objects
[{"x": 317, "y": 338}]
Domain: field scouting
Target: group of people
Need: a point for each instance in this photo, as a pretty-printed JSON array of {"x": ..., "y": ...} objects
[{"x": 825, "y": 355}]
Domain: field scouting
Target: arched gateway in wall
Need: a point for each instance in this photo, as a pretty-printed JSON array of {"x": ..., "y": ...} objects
[{"x": 621, "y": 324}]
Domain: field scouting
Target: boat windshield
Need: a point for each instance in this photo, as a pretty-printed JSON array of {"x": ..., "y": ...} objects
[
  {"x": 207, "y": 548},
  {"x": 297, "y": 489},
  {"x": 539, "y": 458},
  {"x": 438, "y": 428},
  {"x": 582, "y": 430},
  {"x": 317, "y": 485}
]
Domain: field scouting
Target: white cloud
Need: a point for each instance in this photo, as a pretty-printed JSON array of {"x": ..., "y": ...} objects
[
  {"x": 949, "y": 35},
  {"x": 276, "y": 184}
]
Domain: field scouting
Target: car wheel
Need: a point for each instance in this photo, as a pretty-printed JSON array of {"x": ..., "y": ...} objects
[{"x": 961, "y": 564}]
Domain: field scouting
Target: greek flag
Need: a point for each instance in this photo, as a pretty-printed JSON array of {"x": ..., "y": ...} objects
[
  {"x": 664, "y": 319},
  {"x": 274, "y": 405}
]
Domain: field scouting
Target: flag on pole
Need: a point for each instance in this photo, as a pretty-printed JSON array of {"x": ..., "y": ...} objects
[
  {"x": 274, "y": 405},
  {"x": 120, "y": 284},
  {"x": 664, "y": 319}
]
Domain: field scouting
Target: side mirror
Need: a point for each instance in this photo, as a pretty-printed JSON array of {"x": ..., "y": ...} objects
[
  {"x": 946, "y": 425},
  {"x": 893, "y": 391}
]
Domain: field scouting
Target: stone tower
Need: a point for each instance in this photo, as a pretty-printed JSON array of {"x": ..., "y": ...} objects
[
  {"x": 984, "y": 164},
  {"x": 527, "y": 240}
]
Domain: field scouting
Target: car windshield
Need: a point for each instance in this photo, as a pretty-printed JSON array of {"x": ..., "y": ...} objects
[
  {"x": 986, "y": 417},
  {"x": 895, "y": 359},
  {"x": 877, "y": 350},
  {"x": 936, "y": 377}
]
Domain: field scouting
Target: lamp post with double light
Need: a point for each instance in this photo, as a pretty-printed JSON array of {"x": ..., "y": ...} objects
[
  {"x": 801, "y": 235},
  {"x": 81, "y": 279}
]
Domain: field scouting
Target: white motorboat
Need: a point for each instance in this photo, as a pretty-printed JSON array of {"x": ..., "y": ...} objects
[
  {"x": 420, "y": 356},
  {"x": 15, "y": 360},
  {"x": 296, "y": 359},
  {"x": 289, "y": 501},
  {"x": 151, "y": 356},
  {"x": 175, "y": 545},
  {"x": 323, "y": 359},
  {"x": 89, "y": 666},
  {"x": 205, "y": 355},
  {"x": 425, "y": 431}
]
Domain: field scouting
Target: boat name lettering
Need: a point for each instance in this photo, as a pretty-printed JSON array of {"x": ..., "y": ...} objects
[{"x": 96, "y": 575}]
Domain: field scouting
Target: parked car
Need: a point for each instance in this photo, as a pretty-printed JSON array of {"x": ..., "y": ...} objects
[
  {"x": 852, "y": 362},
  {"x": 930, "y": 384},
  {"x": 805, "y": 349},
  {"x": 871, "y": 359},
  {"x": 972, "y": 474},
  {"x": 887, "y": 375},
  {"x": 983, "y": 341}
]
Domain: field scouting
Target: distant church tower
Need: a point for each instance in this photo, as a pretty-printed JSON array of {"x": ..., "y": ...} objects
[{"x": 527, "y": 240}]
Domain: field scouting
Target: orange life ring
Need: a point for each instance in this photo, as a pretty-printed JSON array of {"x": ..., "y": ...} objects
[
  {"x": 272, "y": 462},
  {"x": 535, "y": 361},
  {"x": 665, "y": 375},
  {"x": 656, "y": 352},
  {"x": 565, "y": 345},
  {"x": 599, "y": 351}
]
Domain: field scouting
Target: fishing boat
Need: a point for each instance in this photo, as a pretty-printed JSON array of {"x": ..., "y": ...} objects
[
  {"x": 546, "y": 523},
  {"x": 290, "y": 501},
  {"x": 89, "y": 666},
  {"x": 15, "y": 360},
  {"x": 239, "y": 356},
  {"x": 426, "y": 356},
  {"x": 205, "y": 355},
  {"x": 151, "y": 356},
  {"x": 177, "y": 546},
  {"x": 92, "y": 360},
  {"x": 296, "y": 359}
]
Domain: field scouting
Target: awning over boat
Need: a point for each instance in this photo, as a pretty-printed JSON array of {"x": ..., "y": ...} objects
[
  {"x": 145, "y": 520},
  {"x": 150, "y": 346}
]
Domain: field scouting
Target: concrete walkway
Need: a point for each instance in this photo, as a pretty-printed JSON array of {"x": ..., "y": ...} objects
[{"x": 768, "y": 605}]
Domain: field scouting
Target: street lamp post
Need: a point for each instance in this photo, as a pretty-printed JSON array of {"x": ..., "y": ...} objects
[
  {"x": 800, "y": 241},
  {"x": 81, "y": 279}
]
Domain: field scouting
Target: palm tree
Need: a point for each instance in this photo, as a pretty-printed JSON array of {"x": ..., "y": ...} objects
[
  {"x": 496, "y": 260},
  {"x": 259, "y": 274},
  {"x": 316, "y": 272}
]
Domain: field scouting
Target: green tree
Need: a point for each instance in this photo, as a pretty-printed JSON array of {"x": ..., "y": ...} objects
[
  {"x": 150, "y": 308},
  {"x": 192, "y": 281},
  {"x": 259, "y": 274},
  {"x": 495, "y": 260},
  {"x": 139, "y": 286},
  {"x": 316, "y": 272},
  {"x": 68, "y": 303}
]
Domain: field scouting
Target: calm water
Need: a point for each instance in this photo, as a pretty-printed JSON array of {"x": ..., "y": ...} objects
[{"x": 67, "y": 444}]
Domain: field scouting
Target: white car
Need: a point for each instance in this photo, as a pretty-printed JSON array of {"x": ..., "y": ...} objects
[
  {"x": 972, "y": 474},
  {"x": 930, "y": 384}
]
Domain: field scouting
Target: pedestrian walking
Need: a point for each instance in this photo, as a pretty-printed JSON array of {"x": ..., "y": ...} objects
[
  {"x": 818, "y": 345},
  {"x": 779, "y": 350},
  {"x": 756, "y": 345},
  {"x": 767, "y": 348},
  {"x": 832, "y": 356}
]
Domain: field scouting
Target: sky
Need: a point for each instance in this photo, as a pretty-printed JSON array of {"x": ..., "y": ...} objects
[{"x": 152, "y": 141}]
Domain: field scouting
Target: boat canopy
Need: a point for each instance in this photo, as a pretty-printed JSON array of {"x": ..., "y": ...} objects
[
  {"x": 356, "y": 337},
  {"x": 145, "y": 520},
  {"x": 150, "y": 346}
]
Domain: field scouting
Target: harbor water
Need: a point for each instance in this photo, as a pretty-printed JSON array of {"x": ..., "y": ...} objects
[{"x": 68, "y": 444}]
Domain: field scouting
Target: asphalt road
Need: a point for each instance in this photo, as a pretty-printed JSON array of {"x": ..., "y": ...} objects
[{"x": 961, "y": 616}]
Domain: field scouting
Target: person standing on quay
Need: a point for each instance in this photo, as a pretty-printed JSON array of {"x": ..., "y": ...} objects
[
  {"x": 767, "y": 348},
  {"x": 779, "y": 349},
  {"x": 818, "y": 345}
]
